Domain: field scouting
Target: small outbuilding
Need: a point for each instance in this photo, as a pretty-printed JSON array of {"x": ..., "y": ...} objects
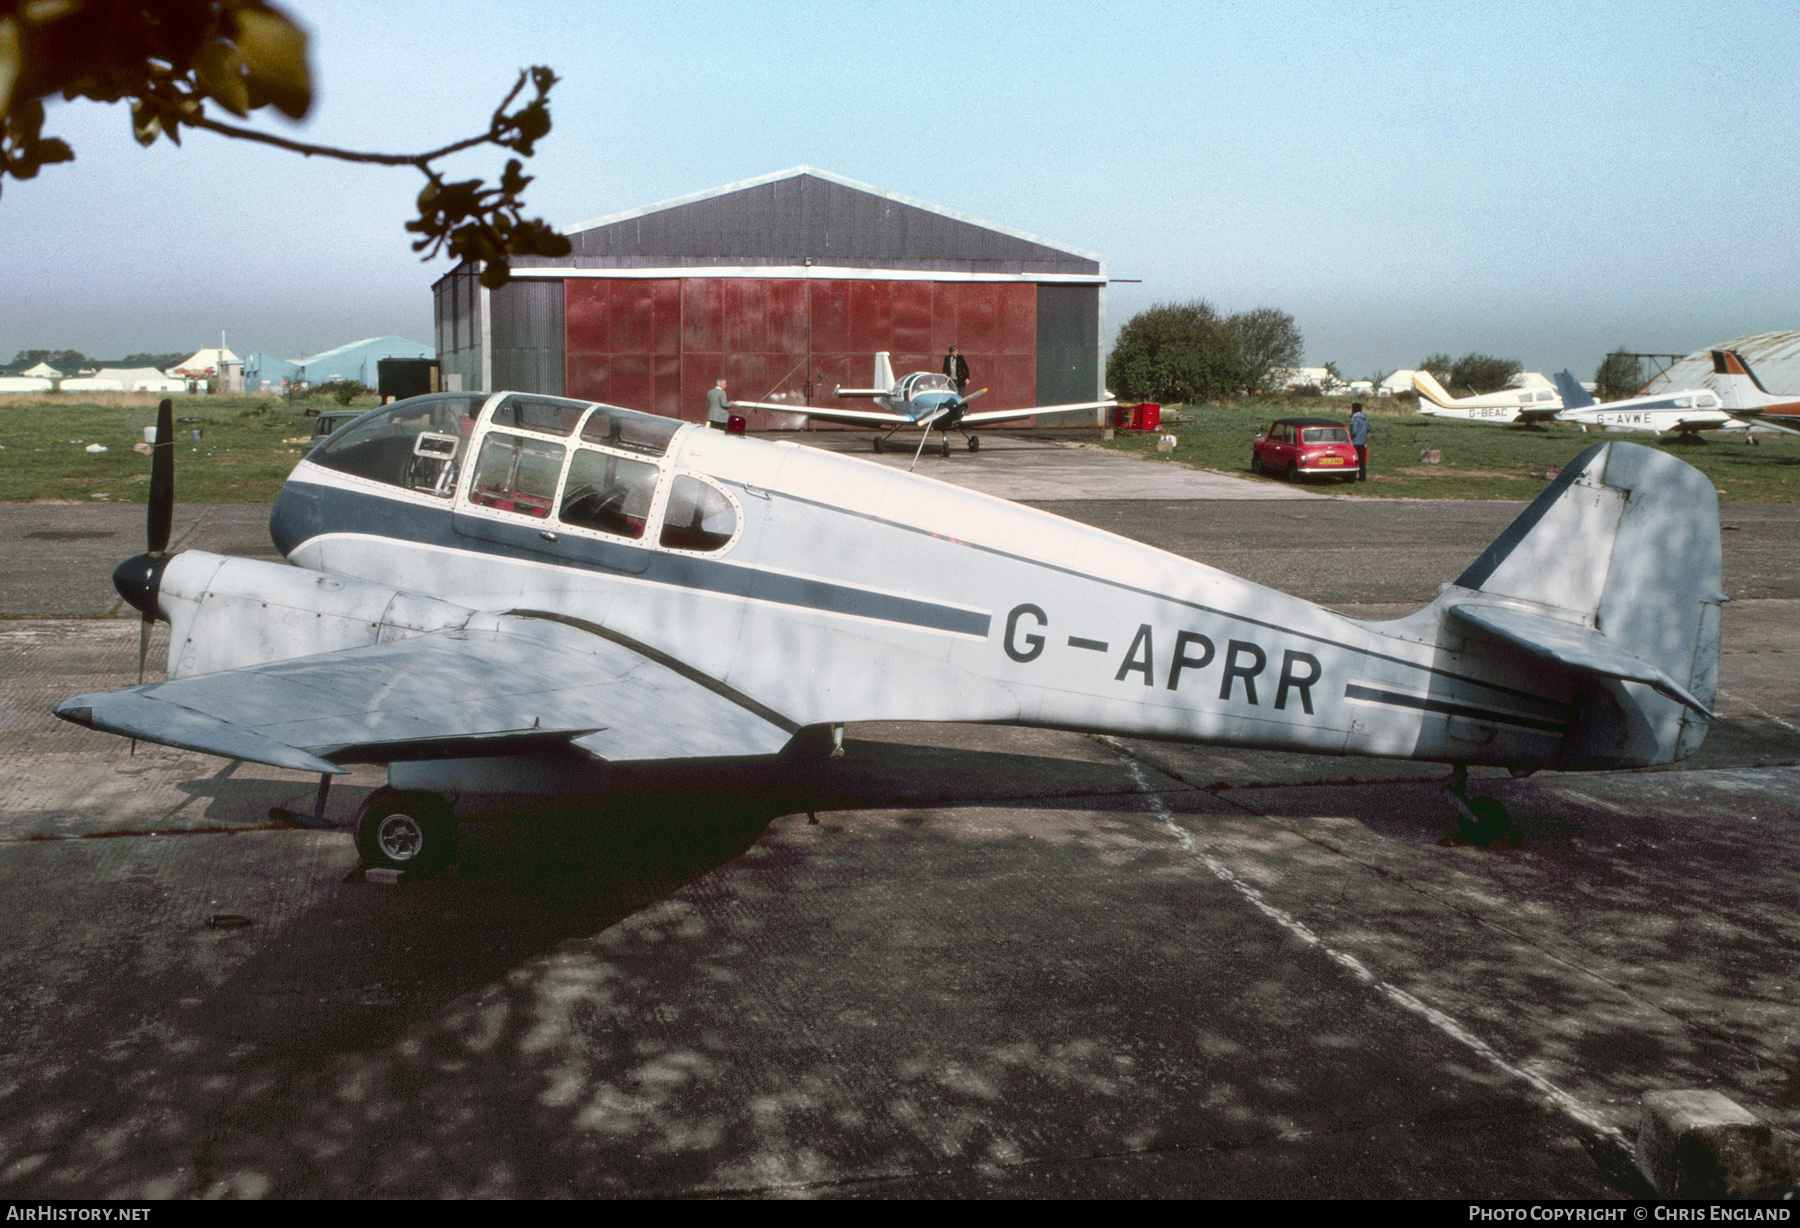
[{"x": 787, "y": 286}]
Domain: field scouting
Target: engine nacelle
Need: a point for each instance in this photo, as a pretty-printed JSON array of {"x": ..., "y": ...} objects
[{"x": 226, "y": 613}]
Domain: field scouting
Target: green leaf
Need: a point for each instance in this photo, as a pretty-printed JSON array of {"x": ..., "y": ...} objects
[
  {"x": 9, "y": 61},
  {"x": 219, "y": 71},
  {"x": 274, "y": 51}
]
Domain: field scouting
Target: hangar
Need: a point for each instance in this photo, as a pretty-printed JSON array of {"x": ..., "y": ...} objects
[
  {"x": 1775, "y": 357},
  {"x": 785, "y": 285}
]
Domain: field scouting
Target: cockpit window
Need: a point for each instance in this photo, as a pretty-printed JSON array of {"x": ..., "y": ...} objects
[
  {"x": 630, "y": 430},
  {"x": 415, "y": 444},
  {"x": 698, "y": 517},
  {"x": 609, "y": 493},
  {"x": 551, "y": 415},
  {"x": 517, "y": 474}
]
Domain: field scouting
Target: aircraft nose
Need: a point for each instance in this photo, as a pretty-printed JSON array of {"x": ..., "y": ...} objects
[{"x": 139, "y": 578}]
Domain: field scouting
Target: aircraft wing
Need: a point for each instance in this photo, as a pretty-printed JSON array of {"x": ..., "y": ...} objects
[
  {"x": 504, "y": 684},
  {"x": 1760, "y": 420},
  {"x": 1012, "y": 415},
  {"x": 850, "y": 417}
]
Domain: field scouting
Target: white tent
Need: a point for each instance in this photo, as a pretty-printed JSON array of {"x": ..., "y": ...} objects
[
  {"x": 90, "y": 383},
  {"x": 140, "y": 379},
  {"x": 43, "y": 370},
  {"x": 205, "y": 362}
]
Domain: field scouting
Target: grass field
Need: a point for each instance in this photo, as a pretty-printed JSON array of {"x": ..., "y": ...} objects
[
  {"x": 1479, "y": 461},
  {"x": 249, "y": 444}
]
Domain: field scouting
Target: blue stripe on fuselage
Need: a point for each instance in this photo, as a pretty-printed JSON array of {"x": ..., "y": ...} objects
[{"x": 305, "y": 510}]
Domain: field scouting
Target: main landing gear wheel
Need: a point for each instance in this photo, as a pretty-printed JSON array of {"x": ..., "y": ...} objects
[
  {"x": 396, "y": 830},
  {"x": 878, "y": 443},
  {"x": 974, "y": 443}
]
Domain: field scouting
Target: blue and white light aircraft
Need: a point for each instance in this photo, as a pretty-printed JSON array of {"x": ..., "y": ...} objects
[
  {"x": 510, "y": 593},
  {"x": 922, "y": 399},
  {"x": 1685, "y": 412}
]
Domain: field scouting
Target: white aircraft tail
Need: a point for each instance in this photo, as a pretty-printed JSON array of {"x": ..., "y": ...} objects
[
  {"x": 1426, "y": 385},
  {"x": 1736, "y": 383},
  {"x": 1613, "y": 572},
  {"x": 884, "y": 371}
]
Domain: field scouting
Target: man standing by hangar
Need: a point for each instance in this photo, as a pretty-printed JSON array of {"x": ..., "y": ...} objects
[
  {"x": 718, "y": 408},
  {"x": 957, "y": 368}
]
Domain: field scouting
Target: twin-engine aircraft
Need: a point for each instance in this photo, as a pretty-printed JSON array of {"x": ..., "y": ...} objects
[
  {"x": 923, "y": 399},
  {"x": 1516, "y": 406},
  {"x": 510, "y": 593}
]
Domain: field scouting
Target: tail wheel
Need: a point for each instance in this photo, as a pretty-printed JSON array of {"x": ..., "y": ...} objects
[{"x": 396, "y": 830}]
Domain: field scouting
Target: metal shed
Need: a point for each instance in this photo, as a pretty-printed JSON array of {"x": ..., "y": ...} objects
[
  {"x": 785, "y": 285},
  {"x": 1775, "y": 357}
]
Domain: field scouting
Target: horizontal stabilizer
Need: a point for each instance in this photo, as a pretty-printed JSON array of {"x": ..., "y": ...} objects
[{"x": 1572, "y": 645}]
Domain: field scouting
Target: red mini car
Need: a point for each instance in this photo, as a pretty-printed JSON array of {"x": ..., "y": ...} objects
[{"x": 1305, "y": 447}]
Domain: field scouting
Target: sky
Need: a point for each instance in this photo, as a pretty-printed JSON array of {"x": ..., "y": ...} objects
[{"x": 1542, "y": 182}]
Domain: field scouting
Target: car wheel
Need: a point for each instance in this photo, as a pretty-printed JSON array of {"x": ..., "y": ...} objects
[
  {"x": 1293, "y": 471},
  {"x": 1256, "y": 462},
  {"x": 397, "y": 830}
]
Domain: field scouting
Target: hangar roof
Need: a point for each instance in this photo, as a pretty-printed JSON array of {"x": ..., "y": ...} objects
[
  {"x": 1775, "y": 357},
  {"x": 808, "y": 217}
]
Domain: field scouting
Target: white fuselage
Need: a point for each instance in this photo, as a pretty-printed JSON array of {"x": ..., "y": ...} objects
[{"x": 854, "y": 592}]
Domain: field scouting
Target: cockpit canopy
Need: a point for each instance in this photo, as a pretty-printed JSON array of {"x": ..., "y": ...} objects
[
  {"x": 924, "y": 381},
  {"x": 420, "y": 443}
]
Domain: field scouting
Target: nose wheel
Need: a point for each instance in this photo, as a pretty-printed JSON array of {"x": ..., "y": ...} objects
[{"x": 397, "y": 830}]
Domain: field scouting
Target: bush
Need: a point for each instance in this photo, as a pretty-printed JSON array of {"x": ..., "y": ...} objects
[{"x": 344, "y": 391}]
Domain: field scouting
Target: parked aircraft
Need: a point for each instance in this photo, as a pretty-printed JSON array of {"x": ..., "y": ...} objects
[
  {"x": 1514, "y": 406},
  {"x": 1741, "y": 390},
  {"x": 1686, "y": 412},
  {"x": 923, "y": 399},
  {"x": 509, "y": 593}
]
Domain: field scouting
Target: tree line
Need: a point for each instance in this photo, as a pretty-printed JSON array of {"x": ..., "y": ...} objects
[{"x": 1188, "y": 352}]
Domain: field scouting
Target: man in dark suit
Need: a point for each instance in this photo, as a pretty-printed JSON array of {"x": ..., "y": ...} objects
[{"x": 957, "y": 368}]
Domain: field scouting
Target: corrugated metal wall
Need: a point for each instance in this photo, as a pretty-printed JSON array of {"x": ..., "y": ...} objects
[
  {"x": 527, "y": 325},
  {"x": 659, "y": 344}
]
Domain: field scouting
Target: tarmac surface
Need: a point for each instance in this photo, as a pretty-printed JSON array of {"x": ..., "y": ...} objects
[{"x": 1003, "y": 962}]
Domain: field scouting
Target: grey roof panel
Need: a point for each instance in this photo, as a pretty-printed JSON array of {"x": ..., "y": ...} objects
[{"x": 806, "y": 216}]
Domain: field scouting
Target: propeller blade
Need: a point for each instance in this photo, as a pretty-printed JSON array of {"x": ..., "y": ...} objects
[
  {"x": 161, "y": 515},
  {"x": 923, "y": 437}
]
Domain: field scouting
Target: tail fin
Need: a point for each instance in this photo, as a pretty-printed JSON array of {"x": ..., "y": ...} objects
[
  {"x": 884, "y": 371},
  {"x": 1426, "y": 385},
  {"x": 1736, "y": 383},
  {"x": 1614, "y": 572},
  {"x": 1574, "y": 396}
]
